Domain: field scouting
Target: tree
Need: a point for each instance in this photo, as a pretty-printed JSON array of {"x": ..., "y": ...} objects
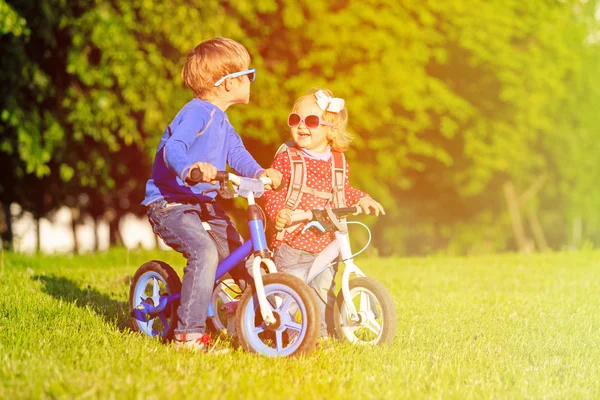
[{"x": 451, "y": 102}]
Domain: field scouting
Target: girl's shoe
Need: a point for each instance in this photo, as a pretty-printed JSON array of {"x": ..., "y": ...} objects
[{"x": 198, "y": 342}]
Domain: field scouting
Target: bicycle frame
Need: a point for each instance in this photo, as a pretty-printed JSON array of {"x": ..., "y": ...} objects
[
  {"x": 257, "y": 244},
  {"x": 340, "y": 247}
]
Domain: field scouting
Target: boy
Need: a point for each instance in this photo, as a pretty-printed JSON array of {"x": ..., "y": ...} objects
[{"x": 201, "y": 136}]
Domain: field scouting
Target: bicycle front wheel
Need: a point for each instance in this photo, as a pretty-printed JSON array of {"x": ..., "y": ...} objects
[
  {"x": 296, "y": 311},
  {"x": 376, "y": 320}
]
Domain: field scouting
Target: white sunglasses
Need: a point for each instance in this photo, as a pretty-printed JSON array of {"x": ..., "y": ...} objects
[{"x": 250, "y": 72}]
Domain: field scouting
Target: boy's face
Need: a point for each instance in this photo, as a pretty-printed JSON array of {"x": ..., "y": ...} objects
[
  {"x": 241, "y": 93},
  {"x": 310, "y": 139}
]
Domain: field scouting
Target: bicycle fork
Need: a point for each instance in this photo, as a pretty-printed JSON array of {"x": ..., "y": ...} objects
[
  {"x": 261, "y": 249},
  {"x": 265, "y": 308},
  {"x": 343, "y": 243}
]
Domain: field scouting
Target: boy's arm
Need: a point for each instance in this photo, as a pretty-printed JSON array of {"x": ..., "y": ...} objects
[
  {"x": 175, "y": 151},
  {"x": 275, "y": 199},
  {"x": 239, "y": 158}
]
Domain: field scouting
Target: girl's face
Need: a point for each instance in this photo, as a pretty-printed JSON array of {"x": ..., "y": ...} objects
[{"x": 310, "y": 139}]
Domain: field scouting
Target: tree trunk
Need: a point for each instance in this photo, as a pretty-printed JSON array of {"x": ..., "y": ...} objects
[
  {"x": 96, "y": 237},
  {"x": 512, "y": 201},
  {"x": 38, "y": 236},
  {"x": 538, "y": 232},
  {"x": 7, "y": 231},
  {"x": 74, "y": 219},
  {"x": 115, "y": 234}
]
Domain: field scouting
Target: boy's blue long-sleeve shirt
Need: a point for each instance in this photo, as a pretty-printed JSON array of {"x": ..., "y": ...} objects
[{"x": 199, "y": 132}]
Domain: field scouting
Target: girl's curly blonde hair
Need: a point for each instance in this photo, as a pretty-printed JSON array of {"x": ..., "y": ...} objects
[{"x": 338, "y": 138}]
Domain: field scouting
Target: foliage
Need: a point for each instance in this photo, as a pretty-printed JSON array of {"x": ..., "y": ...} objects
[
  {"x": 11, "y": 22},
  {"x": 448, "y": 100}
]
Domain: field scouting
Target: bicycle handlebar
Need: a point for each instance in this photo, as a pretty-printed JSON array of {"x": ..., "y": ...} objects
[
  {"x": 309, "y": 215},
  {"x": 196, "y": 175},
  {"x": 222, "y": 176}
]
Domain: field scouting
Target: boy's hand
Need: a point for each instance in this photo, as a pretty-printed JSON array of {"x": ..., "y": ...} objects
[
  {"x": 209, "y": 171},
  {"x": 367, "y": 204},
  {"x": 283, "y": 219},
  {"x": 275, "y": 177}
]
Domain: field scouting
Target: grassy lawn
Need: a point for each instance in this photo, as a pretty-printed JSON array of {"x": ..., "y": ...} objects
[{"x": 507, "y": 326}]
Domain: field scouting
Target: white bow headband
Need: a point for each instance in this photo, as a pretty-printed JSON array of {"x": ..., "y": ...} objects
[{"x": 328, "y": 103}]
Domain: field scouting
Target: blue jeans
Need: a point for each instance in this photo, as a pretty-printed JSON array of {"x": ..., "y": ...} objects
[
  {"x": 180, "y": 226},
  {"x": 298, "y": 262}
]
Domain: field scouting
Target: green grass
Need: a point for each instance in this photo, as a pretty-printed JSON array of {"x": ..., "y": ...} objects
[{"x": 506, "y": 326}]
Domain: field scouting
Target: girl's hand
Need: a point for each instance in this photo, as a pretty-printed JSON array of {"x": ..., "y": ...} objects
[
  {"x": 275, "y": 177},
  {"x": 367, "y": 205},
  {"x": 283, "y": 219}
]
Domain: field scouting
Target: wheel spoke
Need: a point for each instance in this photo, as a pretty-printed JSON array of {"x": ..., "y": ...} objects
[
  {"x": 155, "y": 292},
  {"x": 352, "y": 327},
  {"x": 259, "y": 329},
  {"x": 373, "y": 326},
  {"x": 293, "y": 325},
  {"x": 347, "y": 323},
  {"x": 278, "y": 340},
  {"x": 364, "y": 302},
  {"x": 286, "y": 304},
  {"x": 275, "y": 301},
  {"x": 225, "y": 297}
]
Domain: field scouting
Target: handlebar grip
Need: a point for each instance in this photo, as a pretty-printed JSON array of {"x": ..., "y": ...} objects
[
  {"x": 195, "y": 176},
  {"x": 346, "y": 210},
  {"x": 222, "y": 175}
]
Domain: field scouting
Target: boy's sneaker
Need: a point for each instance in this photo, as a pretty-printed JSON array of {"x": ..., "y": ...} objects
[{"x": 198, "y": 342}]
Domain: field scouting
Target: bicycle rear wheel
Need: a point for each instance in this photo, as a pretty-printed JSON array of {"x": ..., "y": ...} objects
[
  {"x": 152, "y": 282},
  {"x": 225, "y": 298}
]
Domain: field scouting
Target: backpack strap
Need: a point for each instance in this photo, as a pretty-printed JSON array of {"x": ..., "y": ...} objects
[
  {"x": 338, "y": 179},
  {"x": 297, "y": 186},
  {"x": 297, "y": 178}
]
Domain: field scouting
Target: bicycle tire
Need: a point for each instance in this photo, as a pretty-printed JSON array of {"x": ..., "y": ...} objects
[
  {"x": 152, "y": 280},
  {"x": 376, "y": 310},
  {"x": 299, "y": 319}
]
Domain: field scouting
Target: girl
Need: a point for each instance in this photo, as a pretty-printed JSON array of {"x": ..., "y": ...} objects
[{"x": 318, "y": 127}]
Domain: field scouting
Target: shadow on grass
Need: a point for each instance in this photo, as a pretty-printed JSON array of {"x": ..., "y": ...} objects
[{"x": 61, "y": 288}]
